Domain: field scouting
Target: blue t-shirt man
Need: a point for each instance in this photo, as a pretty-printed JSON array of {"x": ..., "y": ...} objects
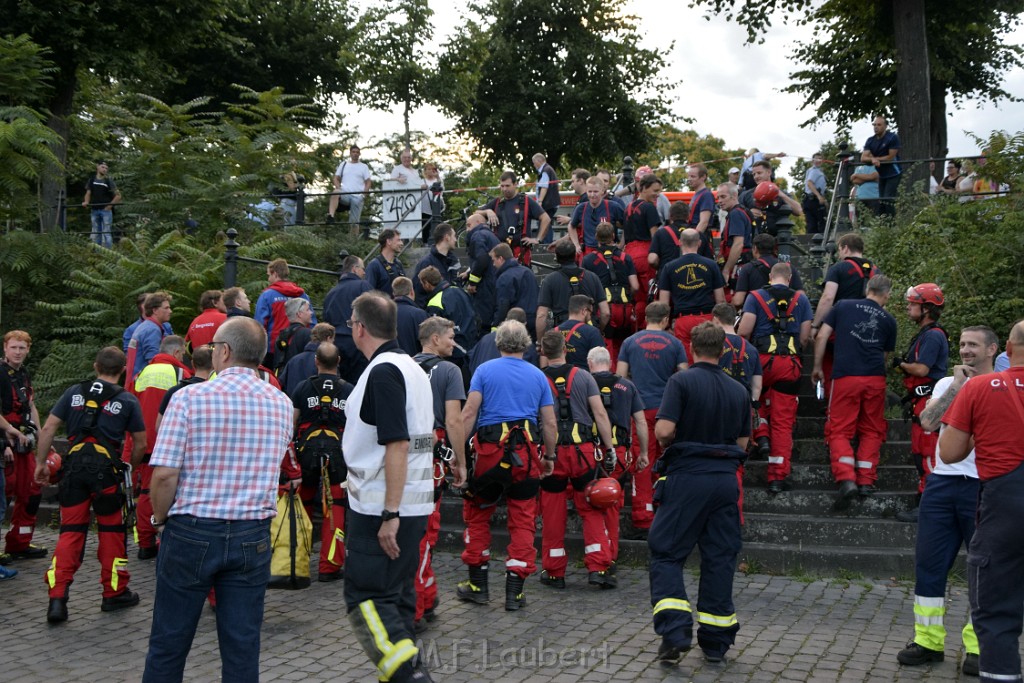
[
  {"x": 589, "y": 216},
  {"x": 512, "y": 389}
]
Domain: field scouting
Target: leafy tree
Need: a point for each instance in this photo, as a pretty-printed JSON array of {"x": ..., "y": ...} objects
[
  {"x": 395, "y": 67},
  {"x": 858, "y": 38},
  {"x": 566, "y": 79},
  {"x": 899, "y": 41},
  {"x": 675, "y": 149},
  {"x": 24, "y": 138}
]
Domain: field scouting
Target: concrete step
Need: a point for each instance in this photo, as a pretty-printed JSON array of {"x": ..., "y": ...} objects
[
  {"x": 824, "y": 531},
  {"x": 816, "y": 503},
  {"x": 819, "y": 476},
  {"x": 813, "y": 451},
  {"x": 814, "y": 428}
]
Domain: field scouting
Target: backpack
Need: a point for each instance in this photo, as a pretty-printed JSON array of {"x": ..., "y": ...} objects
[
  {"x": 318, "y": 448},
  {"x": 560, "y": 379},
  {"x": 779, "y": 342},
  {"x": 737, "y": 368},
  {"x": 575, "y": 286},
  {"x": 283, "y": 350}
]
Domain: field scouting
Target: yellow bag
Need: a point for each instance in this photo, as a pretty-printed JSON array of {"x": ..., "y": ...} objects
[{"x": 291, "y": 534}]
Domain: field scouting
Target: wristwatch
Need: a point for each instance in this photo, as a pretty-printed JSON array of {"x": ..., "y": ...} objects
[
  {"x": 152, "y": 520},
  {"x": 388, "y": 515}
]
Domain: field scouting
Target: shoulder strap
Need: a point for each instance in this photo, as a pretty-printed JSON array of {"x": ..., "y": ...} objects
[
  {"x": 428, "y": 364},
  {"x": 764, "y": 305},
  {"x": 568, "y": 333},
  {"x": 96, "y": 394},
  {"x": 672, "y": 233}
]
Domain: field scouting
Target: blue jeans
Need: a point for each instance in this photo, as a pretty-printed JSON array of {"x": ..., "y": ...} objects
[
  {"x": 233, "y": 557},
  {"x": 102, "y": 219}
]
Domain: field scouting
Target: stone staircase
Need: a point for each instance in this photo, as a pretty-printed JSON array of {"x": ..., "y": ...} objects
[{"x": 795, "y": 532}]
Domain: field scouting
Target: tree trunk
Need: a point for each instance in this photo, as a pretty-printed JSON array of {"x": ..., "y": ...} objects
[
  {"x": 913, "y": 97},
  {"x": 52, "y": 180},
  {"x": 405, "y": 117},
  {"x": 940, "y": 140}
]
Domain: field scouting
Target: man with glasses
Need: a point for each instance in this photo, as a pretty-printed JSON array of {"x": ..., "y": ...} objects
[
  {"x": 338, "y": 310},
  {"x": 388, "y": 447},
  {"x": 214, "y": 491}
]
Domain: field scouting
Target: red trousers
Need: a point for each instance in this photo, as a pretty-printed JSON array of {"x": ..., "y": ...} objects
[
  {"x": 922, "y": 445},
  {"x": 778, "y": 406},
  {"x": 112, "y": 552},
  {"x": 146, "y": 534},
  {"x": 332, "y": 529},
  {"x": 642, "y": 512},
  {"x": 683, "y": 326},
  {"x": 426, "y": 586},
  {"x": 573, "y": 461},
  {"x": 638, "y": 251},
  {"x": 612, "y": 516},
  {"x": 21, "y": 486},
  {"x": 857, "y": 408},
  {"x": 522, "y": 514},
  {"x": 827, "y": 361}
]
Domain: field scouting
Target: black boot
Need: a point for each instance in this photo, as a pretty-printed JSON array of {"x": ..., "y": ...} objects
[
  {"x": 514, "y": 596},
  {"x": 474, "y": 590},
  {"x": 58, "y": 610}
]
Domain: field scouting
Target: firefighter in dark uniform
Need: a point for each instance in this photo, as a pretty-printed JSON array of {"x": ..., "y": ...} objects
[
  {"x": 777, "y": 321},
  {"x": 617, "y": 274},
  {"x": 516, "y": 285},
  {"x": 481, "y": 277},
  {"x": 98, "y": 413},
  {"x": 503, "y": 417},
  {"x": 704, "y": 424},
  {"x": 737, "y": 236},
  {"x": 319, "y": 404},
  {"x": 692, "y": 285},
  {"x": 625, "y": 408},
  {"x": 754, "y": 275},
  {"x": 579, "y": 411},
  {"x": 924, "y": 364},
  {"x": 338, "y": 311},
  {"x": 642, "y": 221},
  {"x": 452, "y": 303},
  {"x": 559, "y": 285},
  {"x": 510, "y": 218},
  {"x": 21, "y": 420},
  {"x": 437, "y": 337}
]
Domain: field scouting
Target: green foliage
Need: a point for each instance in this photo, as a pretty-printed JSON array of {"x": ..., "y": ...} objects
[
  {"x": 974, "y": 251},
  {"x": 675, "y": 149},
  {"x": 25, "y": 72},
  {"x": 565, "y": 85}
]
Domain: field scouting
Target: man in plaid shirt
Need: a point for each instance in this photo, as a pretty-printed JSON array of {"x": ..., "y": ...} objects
[{"x": 214, "y": 491}]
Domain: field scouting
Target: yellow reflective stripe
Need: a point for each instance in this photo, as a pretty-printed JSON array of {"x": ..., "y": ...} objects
[
  {"x": 135, "y": 534},
  {"x": 394, "y": 654},
  {"x": 922, "y": 611},
  {"x": 970, "y": 638},
  {"x": 474, "y": 279},
  {"x": 672, "y": 603},
  {"x": 51, "y": 573},
  {"x": 118, "y": 564},
  {"x": 436, "y": 300},
  {"x": 716, "y": 620},
  {"x": 336, "y": 541}
]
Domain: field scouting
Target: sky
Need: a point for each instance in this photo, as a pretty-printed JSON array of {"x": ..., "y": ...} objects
[{"x": 733, "y": 80}]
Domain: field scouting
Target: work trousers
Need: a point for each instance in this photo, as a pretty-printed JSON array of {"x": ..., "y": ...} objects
[
  {"x": 695, "y": 510},
  {"x": 332, "y": 528},
  {"x": 856, "y": 409},
  {"x": 684, "y": 326},
  {"x": 922, "y": 445},
  {"x": 638, "y": 250},
  {"x": 380, "y": 594},
  {"x": 575, "y": 461},
  {"x": 522, "y": 514},
  {"x": 426, "y": 585},
  {"x": 642, "y": 510},
  {"x": 21, "y": 486},
  {"x": 995, "y": 565},
  {"x": 945, "y": 523},
  {"x": 778, "y": 406}
]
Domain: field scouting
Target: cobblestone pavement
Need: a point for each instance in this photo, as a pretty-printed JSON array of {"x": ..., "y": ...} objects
[{"x": 792, "y": 629}]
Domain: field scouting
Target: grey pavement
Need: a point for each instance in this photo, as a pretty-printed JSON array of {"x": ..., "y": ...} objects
[{"x": 791, "y": 629}]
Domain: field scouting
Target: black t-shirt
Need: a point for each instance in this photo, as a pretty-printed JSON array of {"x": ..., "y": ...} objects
[
  {"x": 665, "y": 246},
  {"x": 692, "y": 281},
  {"x": 120, "y": 414},
  {"x": 579, "y": 339},
  {"x": 625, "y": 399},
  {"x": 166, "y": 400},
  {"x": 385, "y": 397},
  {"x": 754, "y": 275},
  {"x": 641, "y": 216},
  {"x": 557, "y": 287},
  {"x": 851, "y": 275},
  {"x": 103, "y": 191},
  {"x": 306, "y": 399}
]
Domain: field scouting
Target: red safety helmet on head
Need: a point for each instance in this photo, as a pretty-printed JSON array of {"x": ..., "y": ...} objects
[
  {"x": 603, "y": 493},
  {"x": 765, "y": 193},
  {"x": 54, "y": 463},
  {"x": 641, "y": 172},
  {"x": 926, "y": 293}
]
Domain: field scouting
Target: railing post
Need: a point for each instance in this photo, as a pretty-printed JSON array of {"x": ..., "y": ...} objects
[
  {"x": 230, "y": 259},
  {"x": 784, "y": 232},
  {"x": 843, "y": 173},
  {"x": 626, "y": 173},
  {"x": 300, "y": 204}
]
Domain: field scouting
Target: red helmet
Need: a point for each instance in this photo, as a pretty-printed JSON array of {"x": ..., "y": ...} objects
[
  {"x": 603, "y": 493},
  {"x": 926, "y": 293},
  {"x": 641, "y": 172},
  {"x": 765, "y": 193},
  {"x": 53, "y": 463}
]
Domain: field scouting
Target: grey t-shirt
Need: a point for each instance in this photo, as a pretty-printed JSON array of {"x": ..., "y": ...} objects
[
  {"x": 583, "y": 387},
  {"x": 446, "y": 385}
]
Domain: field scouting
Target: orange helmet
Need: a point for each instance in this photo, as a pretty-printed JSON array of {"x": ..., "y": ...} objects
[
  {"x": 765, "y": 193},
  {"x": 603, "y": 493},
  {"x": 926, "y": 293},
  {"x": 54, "y": 463}
]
